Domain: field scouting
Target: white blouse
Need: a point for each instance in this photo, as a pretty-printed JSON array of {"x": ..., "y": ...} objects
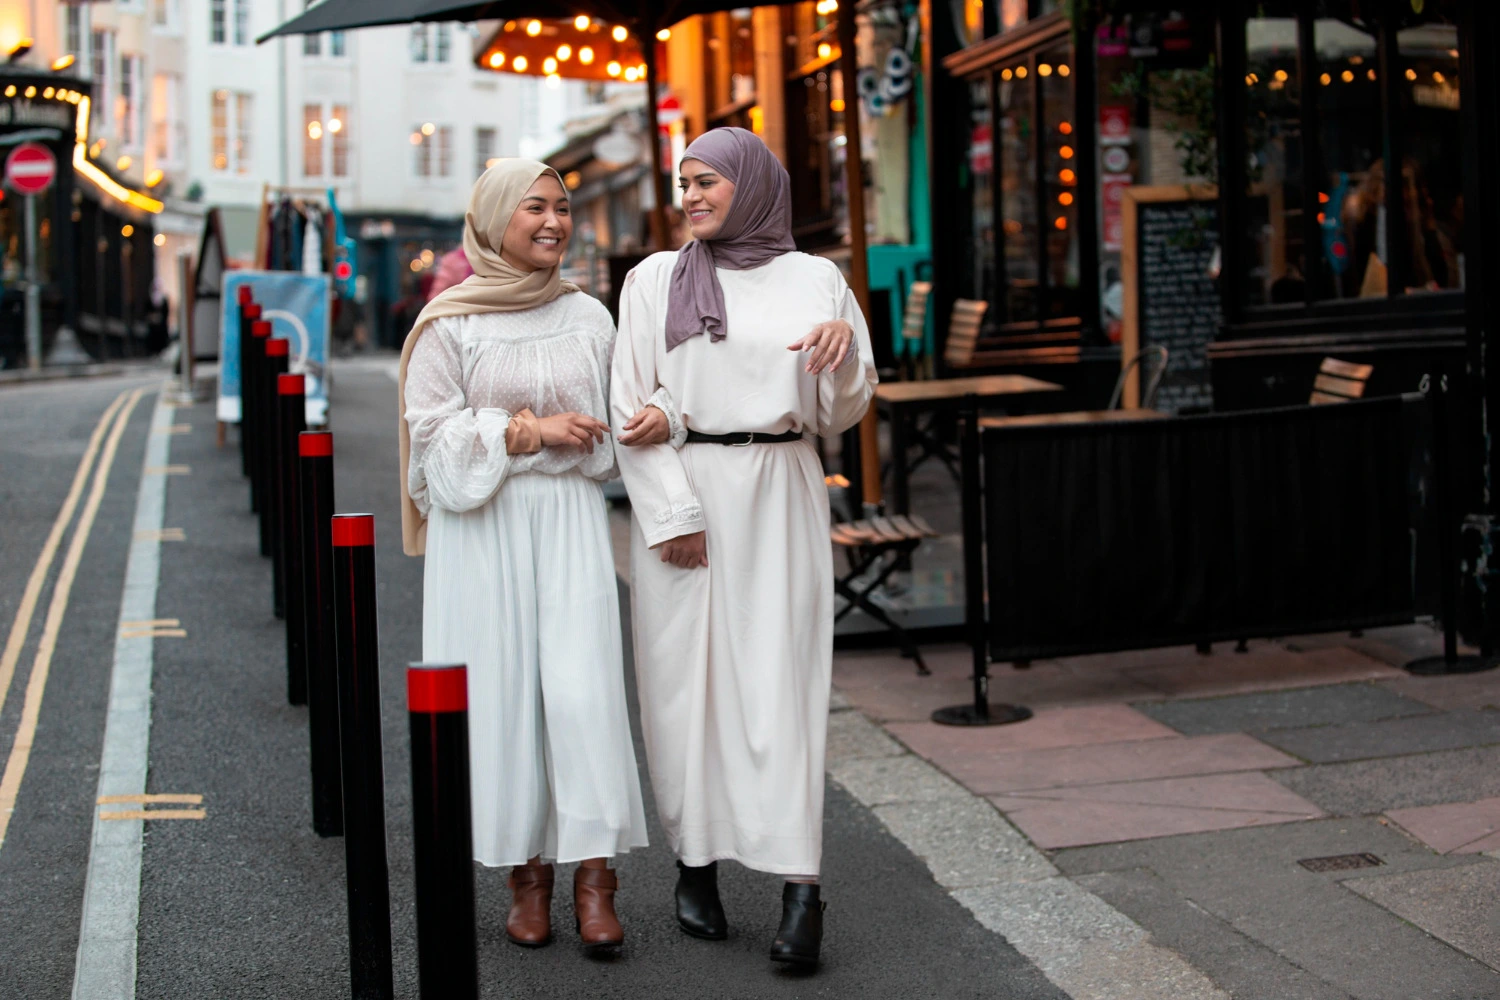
[{"x": 468, "y": 374}]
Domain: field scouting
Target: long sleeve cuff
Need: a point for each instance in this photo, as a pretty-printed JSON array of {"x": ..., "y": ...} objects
[
  {"x": 673, "y": 521},
  {"x": 662, "y": 400},
  {"x": 523, "y": 434}
]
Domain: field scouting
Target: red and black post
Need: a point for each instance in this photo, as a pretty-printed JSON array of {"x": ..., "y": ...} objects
[
  {"x": 278, "y": 351},
  {"x": 291, "y": 392},
  {"x": 315, "y": 486},
  {"x": 437, "y": 698},
  {"x": 357, "y": 639},
  {"x": 244, "y": 298},
  {"x": 260, "y": 333}
]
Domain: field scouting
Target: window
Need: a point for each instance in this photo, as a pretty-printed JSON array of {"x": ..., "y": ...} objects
[
  {"x": 1325, "y": 218},
  {"x": 432, "y": 149},
  {"x": 485, "y": 140},
  {"x": 1015, "y": 148},
  {"x": 230, "y": 123},
  {"x": 164, "y": 15},
  {"x": 167, "y": 139},
  {"x": 419, "y": 48},
  {"x": 981, "y": 166},
  {"x": 431, "y": 43},
  {"x": 77, "y": 31},
  {"x": 242, "y": 22},
  {"x": 337, "y": 44},
  {"x": 731, "y": 68},
  {"x": 312, "y": 140},
  {"x": 102, "y": 72},
  {"x": 338, "y": 127},
  {"x": 443, "y": 46},
  {"x": 128, "y": 102},
  {"x": 312, "y": 45},
  {"x": 218, "y": 24}
]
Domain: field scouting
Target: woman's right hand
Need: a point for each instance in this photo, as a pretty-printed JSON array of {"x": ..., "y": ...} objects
[
  {"x": 572, "y": 430},
  {"x": 685, "y": 551}
]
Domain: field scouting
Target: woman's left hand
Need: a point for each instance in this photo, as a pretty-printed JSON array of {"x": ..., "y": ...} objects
[
  {"x": 649, "y": 426},
  {"x": 829, "y": 343}
]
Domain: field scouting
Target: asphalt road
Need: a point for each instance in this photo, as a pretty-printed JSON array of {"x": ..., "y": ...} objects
[{"x": 249, "y": 902}]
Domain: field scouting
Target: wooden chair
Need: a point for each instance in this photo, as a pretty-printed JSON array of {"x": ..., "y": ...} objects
[
  {"x": 1339, "y": 381},
  {"x": 867, "y": 543},
  {"x": 963, "y": 331}
]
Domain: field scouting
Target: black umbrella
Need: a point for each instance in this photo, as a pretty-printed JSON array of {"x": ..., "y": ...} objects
[{"x": 646, "y": 17}]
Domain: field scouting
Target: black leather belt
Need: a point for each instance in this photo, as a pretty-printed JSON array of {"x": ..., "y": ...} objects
[{"x": 741, "y": 439}]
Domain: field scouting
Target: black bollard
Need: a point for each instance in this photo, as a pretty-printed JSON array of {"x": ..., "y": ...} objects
[
  {"x": 357, "y": 640},
  {"x": 260, "y": 332},
  {"x": 244, "y": 297},
  {"x": 291, "y": 421},
  {"x": 277, "y": 351},
  {"x": 257, "y": 329},
  {"x": 437, "y": 698},
  {"x": 315, "y": 484}
]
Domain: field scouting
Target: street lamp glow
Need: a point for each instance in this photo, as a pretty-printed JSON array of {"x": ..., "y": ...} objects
[
  {"x": 619, "y": 34},
  {"x": 534, "y": 28},
  {"x": 586, "y": 56}
]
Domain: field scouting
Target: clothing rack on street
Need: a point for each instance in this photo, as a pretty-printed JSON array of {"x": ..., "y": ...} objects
[{"x": 272, "y": 198}]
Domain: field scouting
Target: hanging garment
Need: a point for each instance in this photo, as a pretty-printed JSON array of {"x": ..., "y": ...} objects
[
  {"x": 734, "y": 660},
  {"x": 312, "y": 244}
]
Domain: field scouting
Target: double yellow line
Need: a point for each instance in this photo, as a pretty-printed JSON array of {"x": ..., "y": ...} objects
[{"x": 112, "y": 423}]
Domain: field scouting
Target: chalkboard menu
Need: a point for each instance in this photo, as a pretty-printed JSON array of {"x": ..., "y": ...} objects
[{"x": 1175, "y": 304}]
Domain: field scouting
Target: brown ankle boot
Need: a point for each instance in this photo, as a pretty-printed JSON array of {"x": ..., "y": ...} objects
[
  {"x": 594, "y": 901},
  {"x": 530, "y": 922}
]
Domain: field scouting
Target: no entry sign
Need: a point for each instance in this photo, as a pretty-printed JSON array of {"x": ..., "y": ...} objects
[{"x": 30, "y": 168}]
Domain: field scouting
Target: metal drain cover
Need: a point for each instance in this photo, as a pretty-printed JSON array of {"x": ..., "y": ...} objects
[{"x": 1341, "y": 863}]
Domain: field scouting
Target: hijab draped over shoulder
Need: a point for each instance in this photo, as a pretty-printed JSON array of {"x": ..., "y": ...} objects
[
  {"x": 757, "y": 229},
  {"x": 495, "y": 286}
]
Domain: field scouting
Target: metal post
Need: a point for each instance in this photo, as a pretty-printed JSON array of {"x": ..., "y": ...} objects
[
  {"x": 185, "y": 391},
  {"x": 278, "y": 350},
  {"x": 447, "y": 945},
  {"x": 315, "y": 482},
  {"x": 245, "y": 301},
  {"x": 364, "y": 777},
  {"x": 33, "y": 290},
  {"x": 980, "y": 712},
  {"x": 291, "y": 392}
]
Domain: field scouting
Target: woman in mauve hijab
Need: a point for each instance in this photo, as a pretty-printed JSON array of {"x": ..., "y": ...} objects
[
  {"x": 733, "y": 353},
  {"x": 503, "y": 393}
]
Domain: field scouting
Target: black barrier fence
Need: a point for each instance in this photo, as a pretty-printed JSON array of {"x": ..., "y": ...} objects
[
  {"x": 291, "y": 421},
  {"x": 278, "y": 351},
  {"x": 1237, "y": 525},
  {"x": 358, "y": 658},
  {"x": 447, "y": 944},
  {"x": 315, "y": 486}
]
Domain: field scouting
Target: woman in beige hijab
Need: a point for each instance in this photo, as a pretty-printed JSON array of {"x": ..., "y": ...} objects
[{"x": 504, "y": 444}]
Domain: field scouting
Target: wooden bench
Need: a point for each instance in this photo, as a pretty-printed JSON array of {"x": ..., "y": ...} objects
[
  {"x": 1339, "y": 381},
  {"x": 866, "y": 543}
]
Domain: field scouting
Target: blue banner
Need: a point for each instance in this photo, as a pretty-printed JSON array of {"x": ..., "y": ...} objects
[{"x": 297, "y": 307}]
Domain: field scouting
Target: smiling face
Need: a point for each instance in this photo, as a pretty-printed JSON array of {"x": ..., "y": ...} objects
[
  {"x": 706, "y": 195},
  {"x": 537, "y": 237}
]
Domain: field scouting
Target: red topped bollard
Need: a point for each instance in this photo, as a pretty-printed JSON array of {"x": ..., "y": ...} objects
[
  {"x": 249, "y": 358},
  {"x": 291, "y": 421},
  {"x": 278, "y": 355},
  {"x": 358, "y": 658},
  {"x": 254, "y": 401},
  {"x": 315, "y": 486},
  {"x": 437, "y": 698}
]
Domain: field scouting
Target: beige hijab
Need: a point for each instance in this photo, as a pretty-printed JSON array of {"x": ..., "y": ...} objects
[{"x": 495, "y": 286}]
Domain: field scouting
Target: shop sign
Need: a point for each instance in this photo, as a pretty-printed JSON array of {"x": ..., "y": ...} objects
[
  {"x": 1112, "y": 198},
  {"x": 1116, "y": 159},
  {"x": 1113, "y": 41},
  {"x": 1114, "y": 124},
  {"x": 21, "y": 111},
  {"x": 981, "y": 150}
]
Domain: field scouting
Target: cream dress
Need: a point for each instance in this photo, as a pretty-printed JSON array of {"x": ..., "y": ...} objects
[
  {"x": 519, "y": 581},
  {"x": 733, "y": 661}
]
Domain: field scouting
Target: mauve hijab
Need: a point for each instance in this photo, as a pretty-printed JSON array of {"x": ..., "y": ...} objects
[{"x": 757, "y": 229}]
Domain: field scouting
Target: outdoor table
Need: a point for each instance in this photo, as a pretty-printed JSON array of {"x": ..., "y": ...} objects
[
  {"x": 1070, "y": 417},
  {"x": 904, "y": 400}
]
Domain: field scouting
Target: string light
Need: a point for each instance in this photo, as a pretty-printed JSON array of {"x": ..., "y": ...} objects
[
  {"x": 123, "y": 163},
  {"x": 1281, "y": 75},
  {"x": 62, "y": 62},
  {"x": 534, "y": 28},
  {"x": 428, "y": 128},
  {"x": 836, "y": 105},
  {"x": 160, "y": 239},
  {"x": 127, "y": 231},
  {"x": 619, "y": 33},
  {"x": 1438, "y": 77},
  {"x": 613, "y": 69},
  {"x": 549, "y": 66},
  {"x": 581, "y": 22},
  {"x": 1347, "y": 76},
  {"x": 1061, "y": 222},
  {"x": 497, "y": 59},
  {"x": 1066, "y": 198},
  {"x": 154, "y": 178},
  {"x": 1044, "y": 69},
  {"x": 1063, "y": 70},
  {"x": 1066, "y": 128},
  {"x": 564, "y": 53},
  {"x": 1066, "y": 176},
  {"x": 48, "y": 93},
  {"x": 314, "y": 130},
  {"x": 1066, "y": 152},
  {"x": 825, "y": 50},
  {"x": 1325, "y": 79},
  {"x": 1020, "y": 72},
  {"x": 664, "y": 34},
  {"x": 1411, "y": 74},
  {"x": 1006, "y": 74},
  {"x": 519, "y": 64},
  {"x": 586, "y": 56},
  {"x": 1370, "y": 73},
  {"x": 631, "y": 75}
]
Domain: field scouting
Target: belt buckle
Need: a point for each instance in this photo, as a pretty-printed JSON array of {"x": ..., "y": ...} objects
[{"x": 749, "y": 440}]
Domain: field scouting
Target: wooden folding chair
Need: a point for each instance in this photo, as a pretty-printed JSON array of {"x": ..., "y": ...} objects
[
  {"x": 1339, "y": 381},
  {"x": 867, "y": 543}
]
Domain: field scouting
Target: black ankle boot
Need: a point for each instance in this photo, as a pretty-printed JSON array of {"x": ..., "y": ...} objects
[
  {"x": 801, "y": 934},
  {"x": 698, "y": 908}
]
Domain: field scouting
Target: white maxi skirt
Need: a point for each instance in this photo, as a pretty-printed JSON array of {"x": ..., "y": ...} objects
[{"x": 522, "y": 590}]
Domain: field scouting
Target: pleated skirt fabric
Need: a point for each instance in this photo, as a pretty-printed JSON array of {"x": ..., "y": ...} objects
[{"x": 522, "y": 590}]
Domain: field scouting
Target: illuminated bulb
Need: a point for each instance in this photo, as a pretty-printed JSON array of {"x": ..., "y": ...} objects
[
  {"x": 613, "y": 69},
  {"x": 1347, "y": 76},
  {"x": 1249, "y": 80},
  {"x": 1063, "y": 70},
  {"x": 154, "y": 178},
  {"x": 519, "y": 64},
  {"x": 554, "y": 81},
  {"x": 1006, "y": 74},
  {"x": 61, "y": 63},
  {"x": 1370, "y": 74},
  {"x": 533, "y": 28},
  {"x": 1020, "y": 72},
  {"x": 1281, "y": 75},
  {"x": 160, "y": 239},
  {"x": 127, "y": 231},
  {"x": 664, "y": 34},
  {"x": 1066, "y": 176},
  {"x": 549, "y": 66},
  {"x": 416, "y": 138},
  {"x": 1411, "y": 74},
  {"x": 1044, "y": 69},
  {"x": 497, "y": 59},
  {"x": 335, "y": 125},
  {"x": 30, "y": 91},
  {"x": 123, "y": 163},
  {"x": 1437, "y": 77},
  {"x": 564, "y": 53},
  {"x": 619, "y": 34},
  {"x": 416, "y": 265},
  {"x": 586, "y": 56},
  {"x": 48, "y": 93},
  {"x": 1066, "y": 152},
  {"x": 429, "y": 128},
  {"x": 427, "y": 257},
  {"x": 1325, "y": 79},
  {"x": 631, "y": 75},
  {"x": 581, "y": 22},
  {"x": 824, "y": 50},
  {"x": 314, "y": 130},
  {"x": 1066, "y": 198},
  {"x": 836, "y": 105},
  {"x": 10, "y": 91},
  {"x": 1060, "y": 222},
  {"x": 1066, "y": 128}
]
